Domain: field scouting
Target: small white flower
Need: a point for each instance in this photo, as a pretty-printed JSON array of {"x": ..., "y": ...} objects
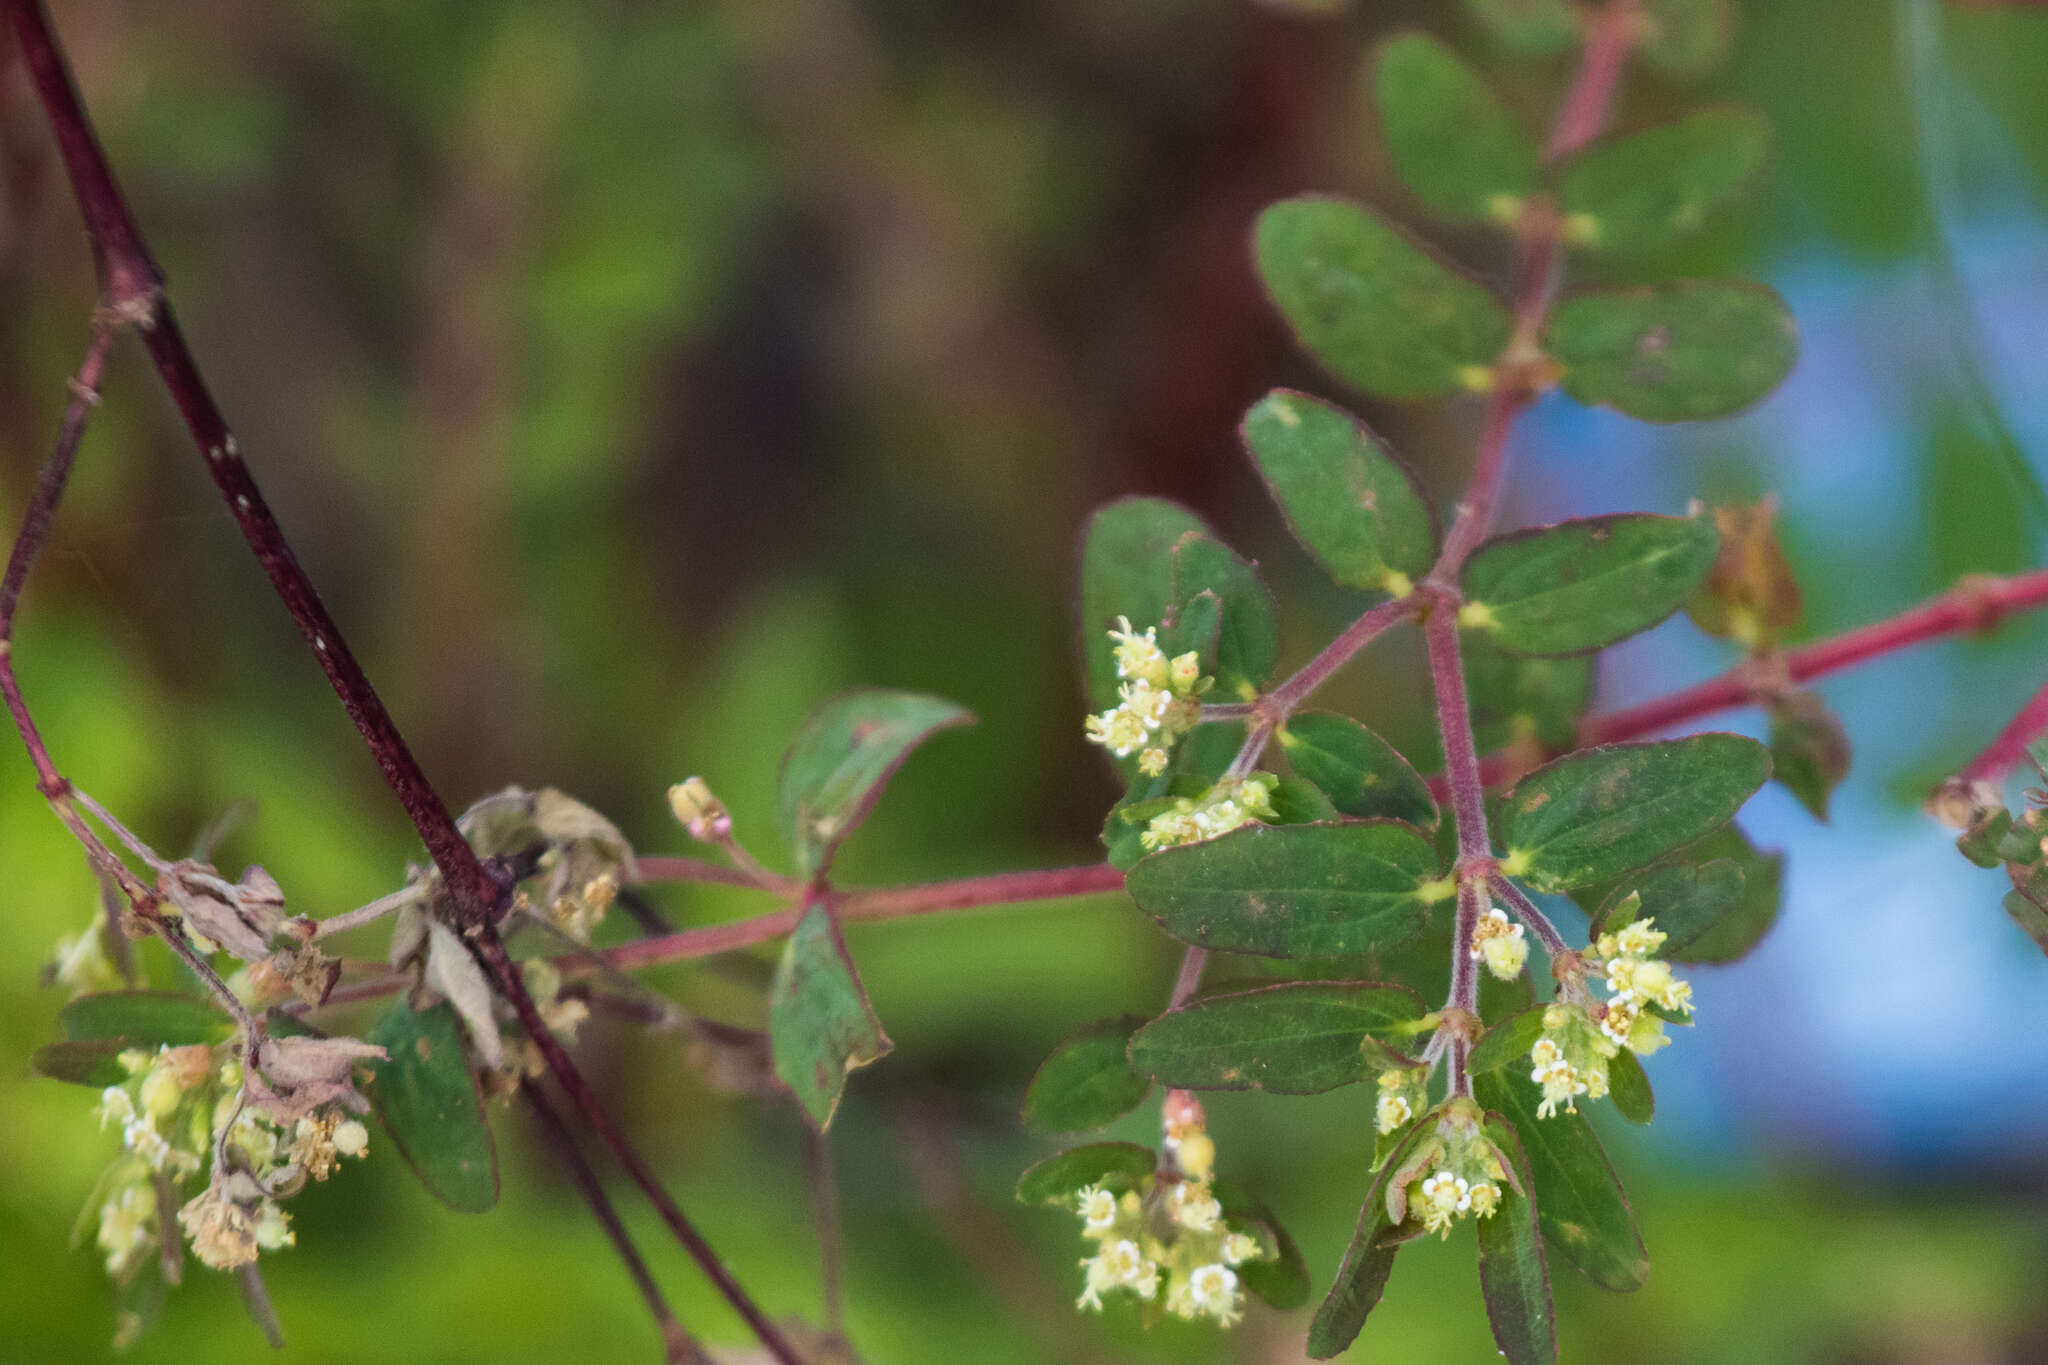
[
  {"x": 1391, "y": 1112},
  {"x": 1192, "y": 1206},
  {"x": 1212, "y": 1289},
  {"x": 1098, "y": 1208}
]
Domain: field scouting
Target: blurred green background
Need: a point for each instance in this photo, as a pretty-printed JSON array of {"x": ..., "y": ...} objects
[{"x": 632, "y": 374}]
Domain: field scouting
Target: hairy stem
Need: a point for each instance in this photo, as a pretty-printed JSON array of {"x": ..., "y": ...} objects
[
  {"x": 497, "y": 964},
  {"x": 1454, "y": 722},
  {"x": 1533, "y": 919},
  {"x": 679, "y": 1347},
  {"x": 1317, "y": 671}
]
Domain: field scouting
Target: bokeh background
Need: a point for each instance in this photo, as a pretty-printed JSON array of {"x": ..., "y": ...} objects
[{"x": 632, "y": 374}]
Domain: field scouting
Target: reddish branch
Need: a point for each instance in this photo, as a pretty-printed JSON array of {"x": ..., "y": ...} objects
[
  {"x": 132, "y": 289},
  {"x": 1973, "y": 605}
]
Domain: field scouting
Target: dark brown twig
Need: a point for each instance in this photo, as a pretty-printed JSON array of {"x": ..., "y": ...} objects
[{"x": 682, "y": 1349}]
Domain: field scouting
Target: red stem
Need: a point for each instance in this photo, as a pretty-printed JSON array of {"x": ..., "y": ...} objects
[
  {"x": 1587, "y": 105},
  {"x": 899, "y": 902},
  {"x": 676, "y": 1342},
  {"x": 490, "y": 953},
  {"x": 1974, "y": 604},
  {"x": 133, "y": 291},
  {"x": 2006, "y": 752},
  {"x": 1454, "y": 721}
]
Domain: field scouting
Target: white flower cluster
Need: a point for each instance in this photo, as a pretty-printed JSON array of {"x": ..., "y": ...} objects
[
  {"x": 1167, "y": 1241},
  {"x": 1401, "y": 1098},
  {"x": 180, "y": 1107},
  {"x": 1570, "y": 1058},
  {"x": 1161, "y": 699},
  {"x": 1455, "y": 1174},
  {"x": 1232, "y": 802},
  {"x": 1500, "y": 944}
]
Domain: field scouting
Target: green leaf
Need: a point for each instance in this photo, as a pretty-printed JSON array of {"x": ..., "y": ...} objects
[
  {"x": 1579, "y": 1203},
  {"x": 2029, "y": 914},
  {"x": 1361, "y": 1276},
  {"x": 1248, "y": 636},
  {"x": 820, "y": 1025},
  {"x": 1283, "y": 1281},
  {"x": 1679, "y": 352},
  {"x": 1506, "y": 1041},
  {"x": 1643, "y": 192},
  {"x": 1629, "y": 1088},
  {"x": 95, "y": 1062},
  {"x": 1301, "y": 1038},
  {"x": 1117, "y": 1166},
  {"x": 1533, "y": 28},
  {"x": 1126, "y": 570},
  {"x": 1582, "y": 585},
  {"x": 145, "y": 1018},
  {"x": 1361, "y": 773},
  {"x": 1809, "y": 750},
  {"x": 427, "y": 1098},
  {"x": 1294, "y": 890},
  {"x": 1600, "y": 813},
  {"x": 1715, "y": 905},
  {"x": 1087, "y": 1081},
  {"x": 1197, "y": 762},
  {"x": 1452, "y": 139},
  {"x": 1296, "y": 802},
  {"x": 1512, "y": 1275},
  {"x": 1981, "y": 842},
  {"x": 1518, "y": 699},
  {"x": 1356, "y": 509},
  {"x": 843, "y": 755},
  {"x": 1686, "y": 38},
  {"x": 1373, "y": 308},
  {"x": 1686, "y": 899}
]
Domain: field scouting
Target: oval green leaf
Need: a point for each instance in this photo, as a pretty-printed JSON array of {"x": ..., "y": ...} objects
[
  {"x": 1507, "y": 1041},
  {"x": 1452, "y": 139},
  {"x": 820, "y": 1025},
  {"x": 1601, "y": 813},
  {"x": 1681, "y": 352},
  {"x": 1372, "y": 307},
  {"x": 1281, "y": 1282},
  {"x": 1629, "y": 1088},
  {"x": 1247, "y": 635},
  {"x": 843, "y": 755},
  {"x": 1296, "y": 1039},
  {"x": 1582, "y": 585},
  {"x": 95, "y": 1061},
  {"x": 145, "y": 1018},
  {"x": 1126, "y": 570},
  {"x": 1087, "y": 1081},
  {"x": 1361, "y": 1276},
  {"x": 1362, "y": 774},
  {"x": 1644, "y": 191},
  {"x": 1513, "y": 1278},
  {"x": 428, "y": 1101},
  {"x": 1809, "y": 750},
  {"x": 1117, "y": 1166},
  {"x": 1294, "y": 890},
  {"x": 1355, "y": 508},
  {"x": 1580, "y": 1207},
  {"x": 1713, "y": 906}
]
